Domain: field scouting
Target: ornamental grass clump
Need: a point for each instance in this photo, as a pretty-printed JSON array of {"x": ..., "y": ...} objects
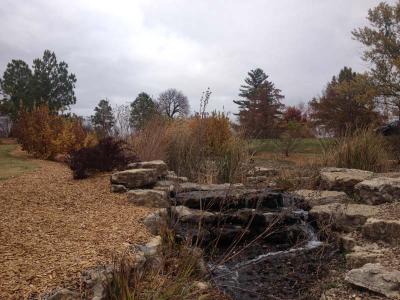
[{"x": 362, "y": 149}]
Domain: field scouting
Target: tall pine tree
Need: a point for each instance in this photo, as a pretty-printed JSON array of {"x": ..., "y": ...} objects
[
  {"x": 260, "y": 105},
  {"x": 142, "y": 109},
  {"x": 49, "y": 83},
  {"x": 103, "y": 119}
]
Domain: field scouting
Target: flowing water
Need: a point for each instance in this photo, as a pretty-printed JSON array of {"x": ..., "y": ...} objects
[
  {"x": 253, "y": 278},
  {"x": 282, "y": 264}
]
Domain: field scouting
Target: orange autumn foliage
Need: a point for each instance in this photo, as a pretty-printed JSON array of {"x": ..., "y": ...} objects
[
  {"x": 212, "y": 131},
  {"x": 44, "y": 134}
]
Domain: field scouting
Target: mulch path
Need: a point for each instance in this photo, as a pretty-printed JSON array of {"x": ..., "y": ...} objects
[{"x": 53, "y": 227}]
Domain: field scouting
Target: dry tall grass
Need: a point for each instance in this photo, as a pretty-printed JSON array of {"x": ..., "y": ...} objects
[
  {"x": 363, "y": 149},
  {"x": 206, "y": 150},
  {"x": 150, "y": 143},
  {"x": 172, "y": 274},
  {"x": 202, "y": 148}
]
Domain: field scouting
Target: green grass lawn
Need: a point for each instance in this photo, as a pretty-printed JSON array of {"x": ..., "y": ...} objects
[
  {"x": 10, "y": 165},
  {"x": 304, "y": 146}
]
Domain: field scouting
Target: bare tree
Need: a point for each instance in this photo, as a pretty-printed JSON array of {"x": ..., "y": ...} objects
[
  {"x": 173, "y": 103},
  {"x": 122, "y": 127}
]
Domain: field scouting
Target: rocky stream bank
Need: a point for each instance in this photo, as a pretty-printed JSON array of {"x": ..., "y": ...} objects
[{"x": 332, "y": 243}]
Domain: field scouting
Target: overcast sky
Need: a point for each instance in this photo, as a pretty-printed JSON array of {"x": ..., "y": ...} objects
[{"x": 120, "y": 48}]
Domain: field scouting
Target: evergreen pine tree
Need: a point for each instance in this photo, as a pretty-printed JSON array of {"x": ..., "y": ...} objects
[
  {"x": 260, "y": 105},
  {"x": 103, "y": 119},
  {"x": 142, "y": 109}
]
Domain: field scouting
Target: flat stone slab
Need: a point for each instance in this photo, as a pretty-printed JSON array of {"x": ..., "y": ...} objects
[
  {"x": 231, "y": 198},
  {"x": 148, "y": 198},
  {"x": 192, "y": 187},
  {"x": 314, "y": 198},
  {"x": 118, "y": 188},
  {"x": 376, "y": 278},
  {"x": 343, "y": 217},
  {"x": 159, "y": 165},
  {"x": 378, "y": 190},
  {"x": 135, "y": 178},
  {"x": 362, "y": 255},
  {"x": 382, "y": 230},
  {"x": 150, "y": 248},
  {"x": 195, "y": 216},
  {"x": 341, "y": 179},
  {"x": 173, "y": 177},
  {"x": 168, "y": 186},
  {"x": 156, "y": 220}
]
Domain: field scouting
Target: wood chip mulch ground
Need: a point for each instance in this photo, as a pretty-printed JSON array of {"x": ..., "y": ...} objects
[{"x": 53, "y": 227}]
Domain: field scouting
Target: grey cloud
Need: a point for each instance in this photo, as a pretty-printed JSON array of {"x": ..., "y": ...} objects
[{"x": 120, "y": 48}]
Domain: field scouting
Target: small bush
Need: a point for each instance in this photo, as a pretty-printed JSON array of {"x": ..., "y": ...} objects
[
  {"x": 44, "y": 134},
  {"x": 364, "y": 149},
  {"x": 107, "y": 155}
]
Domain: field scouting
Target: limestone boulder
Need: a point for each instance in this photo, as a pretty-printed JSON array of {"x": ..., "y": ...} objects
[
  {"x": 148, "y": 198},
  {"x": 362, "y": 255},
  {"x": 168, "y": 186},
  {"x": 382, "y": 230},
  {"x": 171, "y": 175},
  {"x": 96, "y": 280},
  {"x": 188, "y": 187},
  {"x": 378, "y": 190},
  {"x": 220, "y": 187},
  {"x": 250, "y": 217},
  {"x": 342, "y": 217},
  {"x": 135, "y": 178},
  {"x": 313, "y": 198},
  {"x": 118, "y": 188},
  {"x": 376, "y": 278},
  {"x": 160, "y": 166},
  {"x": 194, "y": 216},
  {"x": 231, "y": 198},
  {"x": 341, "y": 179},
  {"x": 156, "y": 220},
  {"x": 192, "y": 187},
  {"x": 150, "y": 248}
]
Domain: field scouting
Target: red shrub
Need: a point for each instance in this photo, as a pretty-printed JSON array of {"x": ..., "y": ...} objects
[{"x": 107, "y": 155}]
